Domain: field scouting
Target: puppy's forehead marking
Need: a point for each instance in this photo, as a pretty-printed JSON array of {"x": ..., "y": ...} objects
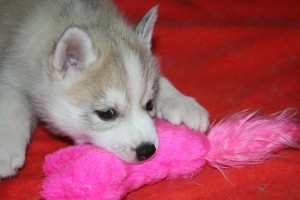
[{"x": 133, "y": 66}]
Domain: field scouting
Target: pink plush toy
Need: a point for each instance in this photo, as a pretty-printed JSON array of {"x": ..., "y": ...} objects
[{"x": 87, "y": 172}]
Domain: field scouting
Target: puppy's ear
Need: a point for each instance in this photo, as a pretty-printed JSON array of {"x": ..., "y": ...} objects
[
  {"x": 73, "y": 53},
  {"x": 144, "y": 29}
]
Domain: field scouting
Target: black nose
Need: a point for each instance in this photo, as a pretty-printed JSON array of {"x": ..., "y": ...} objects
[{"x": 145, "y": 151}]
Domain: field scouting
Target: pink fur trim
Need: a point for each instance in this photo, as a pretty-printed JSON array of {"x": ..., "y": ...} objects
[{"x": 247, "y": 138}]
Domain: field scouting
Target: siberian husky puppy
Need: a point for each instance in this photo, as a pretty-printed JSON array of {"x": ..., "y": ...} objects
[{"x": 79, "y": 67}]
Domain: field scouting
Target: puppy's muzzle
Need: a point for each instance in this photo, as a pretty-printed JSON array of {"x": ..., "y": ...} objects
[{"x": 145, "y": 151}]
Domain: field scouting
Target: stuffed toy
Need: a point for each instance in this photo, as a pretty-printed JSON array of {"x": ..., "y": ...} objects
[{"x": 88, "y": 172}]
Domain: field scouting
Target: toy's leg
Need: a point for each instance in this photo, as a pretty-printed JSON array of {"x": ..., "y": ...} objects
[
  {"x": 16, "y": 122},
  {"x": 178, "y": 108}
]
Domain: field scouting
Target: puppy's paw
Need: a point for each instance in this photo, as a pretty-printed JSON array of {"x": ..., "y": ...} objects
[
  {"x": 10, "y": 161},
  {"x": 183, "y": 109}
]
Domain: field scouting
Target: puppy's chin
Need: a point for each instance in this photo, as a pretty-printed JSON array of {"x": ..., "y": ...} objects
[
  {"x": 82, "y": 141},
  {"x": 128, "y": 159},
  {"x": 134, "y": 161}
]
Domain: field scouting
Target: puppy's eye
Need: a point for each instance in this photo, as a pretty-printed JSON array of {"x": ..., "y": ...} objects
[
  {"x": 149, "y": 106},
  {"x": 106, "y": 115}
]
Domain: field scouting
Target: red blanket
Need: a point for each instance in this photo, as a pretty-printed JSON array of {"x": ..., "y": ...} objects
[{"x": 231, "y": 56}]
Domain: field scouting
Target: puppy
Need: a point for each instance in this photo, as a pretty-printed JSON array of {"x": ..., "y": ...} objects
[{"x": 78, "y": 66}]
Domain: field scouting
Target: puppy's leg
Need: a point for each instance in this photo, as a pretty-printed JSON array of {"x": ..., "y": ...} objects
[
  {"x": 16, "y": 122},
  {"x": 177, "y": 108}
]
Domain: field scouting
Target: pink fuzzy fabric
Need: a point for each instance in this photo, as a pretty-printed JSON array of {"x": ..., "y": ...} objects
[
  {"x": 247, "y": 138},
  {"x": 87, "y": 172}
]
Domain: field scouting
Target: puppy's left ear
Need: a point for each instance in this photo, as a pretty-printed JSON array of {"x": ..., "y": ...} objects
[
  {"x": 144, "y": 29},
  {"x": 73, "y": 53}
]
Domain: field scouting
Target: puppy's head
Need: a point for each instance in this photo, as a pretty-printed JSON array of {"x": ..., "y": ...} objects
[{"x": 104, "y": 87}]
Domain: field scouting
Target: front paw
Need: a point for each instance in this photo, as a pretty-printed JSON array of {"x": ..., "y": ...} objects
[
  {"x": 183, "y": 109},
  {"x": 11, "y": 159}
]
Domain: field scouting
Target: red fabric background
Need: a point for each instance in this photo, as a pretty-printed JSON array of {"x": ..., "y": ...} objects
[{"x": 229, "y": 55}]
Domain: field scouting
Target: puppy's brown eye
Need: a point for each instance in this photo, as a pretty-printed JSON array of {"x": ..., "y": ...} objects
[
  {"x": 149, "y": 106},
  {"x": 106, "y": 115}
]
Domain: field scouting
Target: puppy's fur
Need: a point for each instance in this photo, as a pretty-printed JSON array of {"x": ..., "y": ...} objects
[{"x": 79, "y": 67}]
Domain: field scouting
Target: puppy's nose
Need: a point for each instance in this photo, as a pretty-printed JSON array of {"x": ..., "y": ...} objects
[{"x": 145, "y": 151}]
